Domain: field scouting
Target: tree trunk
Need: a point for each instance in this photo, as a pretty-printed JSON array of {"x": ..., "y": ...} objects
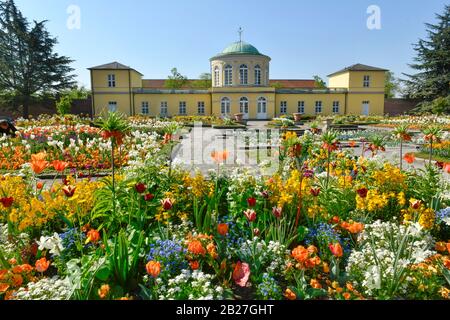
[{"x": 26, "y": 107}]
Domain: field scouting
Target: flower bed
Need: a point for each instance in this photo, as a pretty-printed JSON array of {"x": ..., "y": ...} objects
[{"x": 328, "y": 225}]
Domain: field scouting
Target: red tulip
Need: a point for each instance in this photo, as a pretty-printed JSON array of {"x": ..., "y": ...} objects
[
  {"x": 140, "y": 187},
  {"x": 69, "y": 191},
  {"x": 250, "y": 214},
  {"x": 251, "y": 202},
  {"x": 362, "y": 192},
  {"x": 241, "y": 274},
  {"x": 149, "y": 197},
  {"x": 256, "y": 232},
  {"x": 167, "y": 204},
  {"x": 315, "y": 191},
  {"x": 222, "y": 229},
  {"x": 277, "y": 212},
  {"x": 60, "y": 166},
  {"x": 7, "y": 202}
]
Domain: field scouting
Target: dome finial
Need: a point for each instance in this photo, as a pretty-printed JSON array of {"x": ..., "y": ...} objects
[{"x": 240, "y": 35}]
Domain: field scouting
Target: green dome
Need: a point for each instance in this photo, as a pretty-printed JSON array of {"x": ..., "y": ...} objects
[{"x": 240, "y": 47}]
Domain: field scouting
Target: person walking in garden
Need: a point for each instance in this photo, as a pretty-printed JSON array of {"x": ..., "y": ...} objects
[{"x": 6, "y": 127}]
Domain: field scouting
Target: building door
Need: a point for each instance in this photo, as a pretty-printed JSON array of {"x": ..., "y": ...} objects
[
  {"x": 365, "y": 108},
  {"x": 262, "y": 109},
  {"x": 243, "y": 103},
  {"x": 112, "y": 106}
]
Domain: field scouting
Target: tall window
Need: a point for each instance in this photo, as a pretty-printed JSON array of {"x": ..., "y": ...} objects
[
  {"x": 335, "y": 106},
  {"x": 366, "y": 81},
  {"x": 111, "y": 80},
  {"x": 283, "y": 107},
  {"x": 216, "y": 76},
  {"x": 301, "y": 107},
  {"x": 112, "y": 106},
  {"x": 257, "y": 75},
  {"x": 182, "y": 107},
  {"x": 262, "y": 105},
  {"x": 243, "y": 74},
  {"x": 144, "y": 108},
  {"x": 228, "y": 75},
  {"x": 201, "y": 107},
  {"x": 243, "y": 104},
  {"x": 163, "y": 108},
  {"x": 225, "y": 106},
  {"x": 318, "y": 106}
]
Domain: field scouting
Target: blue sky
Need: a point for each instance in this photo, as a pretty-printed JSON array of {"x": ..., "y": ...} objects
[{"x": 303, "y": 38}]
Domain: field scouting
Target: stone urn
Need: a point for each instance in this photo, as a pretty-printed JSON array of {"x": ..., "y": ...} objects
[
  {"x": 238, "y": 117},
  {"x": 297, "y": 117}
]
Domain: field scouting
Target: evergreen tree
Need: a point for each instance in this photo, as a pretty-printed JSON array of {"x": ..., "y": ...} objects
[
  {"x": 432, "y": 61},
  {"x": 28, "y": 63}
]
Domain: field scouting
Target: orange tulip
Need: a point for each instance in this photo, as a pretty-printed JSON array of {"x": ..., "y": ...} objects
[
  {"x": 93, "y": 236},
  {"x": 346, "y": 295},
  {"x": 17, "y": 280},
  {"x": 194, "y": 265},
  {"x": 39, "y": 185},
  {"x": 315, "y": 284},
  {"x": 222, "y": 229},
  {"x": 290, "y": 295},
  {"x": 104, "y": 291},
  {"x": 38, "y": 166},
  {"x": 4, "y": 287},
  {"x": 409, "y": 158},
  {"x": 355, "y": 227},
  {"x": 219, "y": 156},
  {"x": 153, "y": 268},
  {"x": 196, "y": 247},
  {"x": 300, "y": 254},
  {"x": 42, "y": 265},
  {"x": 440, "y": 246},
  {"x": 336, "y": 249},
  {"x": 38, "y": 156},
  {"x": 60, "y": 166},
  {"x": 447, "y": 167}
]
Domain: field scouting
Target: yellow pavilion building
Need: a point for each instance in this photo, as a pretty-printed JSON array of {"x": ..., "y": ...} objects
[{"x": 241, "y": 83}]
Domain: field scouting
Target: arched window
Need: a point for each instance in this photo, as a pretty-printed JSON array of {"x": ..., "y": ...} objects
[
  {"x": 243, "y": 105},
  {"x": 257, "y": 75},
  {"x": 228, "y": 75},
  {"x": 225, "y": 106},
  {"x": 243, "y": 74},
  {"x": 216, "y": 76},
  {"x": 262, "y": 105}
]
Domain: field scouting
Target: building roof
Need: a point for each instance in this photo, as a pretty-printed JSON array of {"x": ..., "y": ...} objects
[
  {"x": 239, "y": 48},
  {"x": 294, "y": 83},
  {"x": 113, "y": 66},
  {"x": 358, "y": 67},
  {"x": 159, "y": 84}
]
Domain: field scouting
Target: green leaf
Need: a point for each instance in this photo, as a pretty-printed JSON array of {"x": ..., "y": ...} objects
[
  {"x": 302, "y": 231},
  {"x": 103, "y": 273}
]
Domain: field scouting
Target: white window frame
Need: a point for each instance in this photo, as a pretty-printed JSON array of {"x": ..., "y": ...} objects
[
  {"x": 366, "y": 81},
  {"x": 318, "y": 107},
  {"x": 262, "y": 104},
  {"x": 112, "y": 104},
  {"x": 216, "y": 76},
  {"x": 182, "y": 108},
  {"x": 283, "y": 107},
  {"x": 228, "y": 75},
  {"x": 225, "y": 105},
  {"x": 111, "y": 80},
  {"x": 335, "y": 107},
  {"x": 244, "y": 105},
  {"x": 163, "y": 109},
  {"x": 201, "y": 107},
  {"x": 145, "y": 108},
  {"x": 257, "y": 75},
  {"x": 301, "y": 107},
  {"x": 243, "y": 74}
]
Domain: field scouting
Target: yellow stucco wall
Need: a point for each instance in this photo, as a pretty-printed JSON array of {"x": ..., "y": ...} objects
[
  {"x": 376, "y": 81},
  {"x": 341, "y": 80},
  {"x": 310, "y": 102},
  {"x": 173, "y": 102},
  {"x": 355, "y": 103},
  {"x": 252, "y": 102},
  {"x": 101, "y": 102}
]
